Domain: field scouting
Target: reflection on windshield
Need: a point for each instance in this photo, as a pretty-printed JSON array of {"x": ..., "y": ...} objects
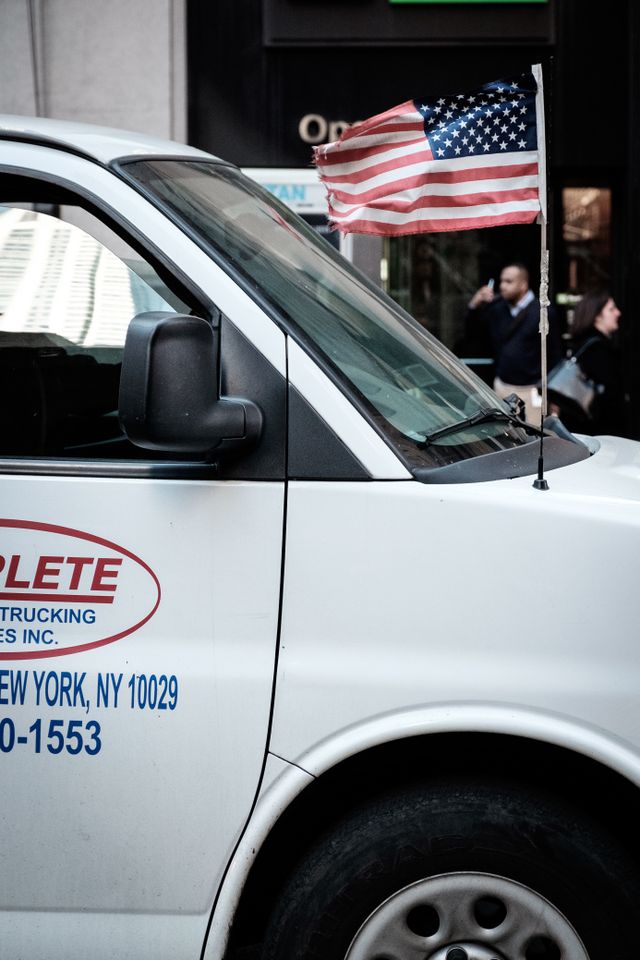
[{"x": 409, "y": 382}]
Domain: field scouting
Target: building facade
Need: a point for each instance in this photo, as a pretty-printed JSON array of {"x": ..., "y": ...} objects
[
  {"x": 268, "y": 79},
  {"x": 260, "y": 82},
  {"x": 117, "y": 64}
]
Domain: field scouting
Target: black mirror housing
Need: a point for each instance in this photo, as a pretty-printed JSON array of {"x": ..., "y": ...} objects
[{"x": 168, "y": 389}]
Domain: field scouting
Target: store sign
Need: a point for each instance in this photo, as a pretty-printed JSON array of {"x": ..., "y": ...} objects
[
  {"x": 314, "y": 128},
  {"x": 300, "y": 189}
]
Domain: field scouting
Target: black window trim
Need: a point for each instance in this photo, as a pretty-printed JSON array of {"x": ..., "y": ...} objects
[{"x": 122, "y": 469}]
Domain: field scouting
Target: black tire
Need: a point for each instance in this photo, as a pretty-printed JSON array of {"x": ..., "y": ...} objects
[{"x": 525, "y": 845}]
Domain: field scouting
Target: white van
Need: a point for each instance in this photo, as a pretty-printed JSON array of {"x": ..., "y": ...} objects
[{"x": 297, "y": 662}]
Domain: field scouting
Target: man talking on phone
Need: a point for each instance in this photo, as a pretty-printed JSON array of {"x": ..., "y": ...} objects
[{"x": 511, "y": 320}]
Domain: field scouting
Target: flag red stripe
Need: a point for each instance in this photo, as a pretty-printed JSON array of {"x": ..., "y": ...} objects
[
  {"x": 358, "y": 129},
  {"x": 393, "y": 188},
  {"x": 433, "y": 175},
  {"x": 420, "y": 225},
  {"x": 397, "y": 126},
  {"x": 361, "y": 153},
  {"x": 435, "y": 201},
  {"x": 424, "y": 156}
]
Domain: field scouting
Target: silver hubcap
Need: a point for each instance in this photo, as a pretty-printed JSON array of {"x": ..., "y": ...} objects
[{"x": 466, "y": 916}]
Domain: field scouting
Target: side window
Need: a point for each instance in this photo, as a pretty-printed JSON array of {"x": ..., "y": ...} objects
[{"x": 69, "y": 287}]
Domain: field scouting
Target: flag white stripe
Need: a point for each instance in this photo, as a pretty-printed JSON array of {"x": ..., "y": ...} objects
[
  {"x": 377, "y": 123},
  {"x": 376, "y": 139},
  {"x": 374, "y": 215},
  {"x": 390, "y": 177},
  {"x": 371, "y": 160},
  {"x": 398, "y": 174},
  {"x": 329, "y": 171},
  {"x": 352, "y": 143},
  {"x": 487, "y": 159},
  {"x": 411, "y": 116},
  {"x": 442, "y": 190}
]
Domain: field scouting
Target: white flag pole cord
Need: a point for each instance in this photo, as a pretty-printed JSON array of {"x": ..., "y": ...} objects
[
  {"x": 540, "y": 483},
  {"x": 544, "y": 313}
]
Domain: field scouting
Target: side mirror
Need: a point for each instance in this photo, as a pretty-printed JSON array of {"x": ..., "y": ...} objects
[{"x": 169, "y": 389}]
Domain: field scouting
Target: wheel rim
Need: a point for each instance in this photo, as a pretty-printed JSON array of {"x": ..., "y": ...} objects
[{"x": 466, "y": 916}]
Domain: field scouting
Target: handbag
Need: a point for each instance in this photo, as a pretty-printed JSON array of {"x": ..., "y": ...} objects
[{"x": 568, "y": 382}]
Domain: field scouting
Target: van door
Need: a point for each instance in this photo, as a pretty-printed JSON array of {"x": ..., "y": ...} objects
[{"x": 138, "y": 613}]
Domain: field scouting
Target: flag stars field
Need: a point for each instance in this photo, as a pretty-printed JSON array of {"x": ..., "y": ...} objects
[{"x": 501, "y": 113}]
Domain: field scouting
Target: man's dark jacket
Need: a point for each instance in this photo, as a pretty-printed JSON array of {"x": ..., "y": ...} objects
[{"x": 514, "y": 342}]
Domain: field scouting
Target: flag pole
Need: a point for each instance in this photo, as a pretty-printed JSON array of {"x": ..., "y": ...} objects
[
  {"x": 540, "y": 483},
  {"x": 544, "y": 314}
]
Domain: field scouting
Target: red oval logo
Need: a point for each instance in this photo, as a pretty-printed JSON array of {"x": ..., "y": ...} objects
[{"x": 65, "y": 591}]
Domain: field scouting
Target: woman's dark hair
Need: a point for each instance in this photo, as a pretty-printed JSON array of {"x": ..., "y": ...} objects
[{"x": 587, "y": 310}]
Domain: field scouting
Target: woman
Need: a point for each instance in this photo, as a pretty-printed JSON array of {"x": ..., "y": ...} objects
[{"x": 594, "y": 323}]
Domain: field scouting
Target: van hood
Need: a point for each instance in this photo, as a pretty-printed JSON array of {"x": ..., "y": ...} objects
[{"x": 612, "y": 471}]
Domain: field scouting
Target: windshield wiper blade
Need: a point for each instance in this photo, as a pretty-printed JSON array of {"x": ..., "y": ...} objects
[{"x": 485, "y": 415}]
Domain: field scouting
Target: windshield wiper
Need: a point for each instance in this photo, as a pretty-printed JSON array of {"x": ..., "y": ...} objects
[{"x": 484, "y": 415}]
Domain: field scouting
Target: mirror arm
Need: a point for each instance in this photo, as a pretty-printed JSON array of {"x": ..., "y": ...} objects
[{"x": 239, "y": 418}]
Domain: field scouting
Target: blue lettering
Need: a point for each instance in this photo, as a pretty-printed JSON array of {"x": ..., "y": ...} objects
[
  {"x": 78, "y": 693},
  {"x": 13, "y": 686},
  {"x": 108, "y": 683},
  {"x": 18, "y": 686},
  {"x": 51, "y": 688},
  {"x": 38, "y": 679},
  {"x": 64, "y": 689},
  {"x": 37, "y": 636},
  {"x": 288, "y": 191}
]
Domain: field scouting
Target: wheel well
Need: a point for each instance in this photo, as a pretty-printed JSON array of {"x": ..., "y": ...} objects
[{"x": 540, "y": 767}]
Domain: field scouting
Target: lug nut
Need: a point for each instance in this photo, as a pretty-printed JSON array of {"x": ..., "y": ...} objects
[{"x": 457, "y": 953}]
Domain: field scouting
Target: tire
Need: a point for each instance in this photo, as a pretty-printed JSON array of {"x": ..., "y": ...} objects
[{"x": 493, "y": 871}]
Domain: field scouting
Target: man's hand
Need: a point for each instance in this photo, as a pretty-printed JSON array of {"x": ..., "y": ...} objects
[{"x": 483, "y": 295}]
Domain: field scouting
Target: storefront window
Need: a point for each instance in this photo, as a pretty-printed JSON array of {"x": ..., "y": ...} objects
[
  {"x": 433, "y": 276},
  {"x": 586, "y": 247},
  {"x": 586, "y": 232}
]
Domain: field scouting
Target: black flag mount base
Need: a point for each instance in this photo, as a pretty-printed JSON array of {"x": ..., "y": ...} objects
[{"x": 540, "y": 483}]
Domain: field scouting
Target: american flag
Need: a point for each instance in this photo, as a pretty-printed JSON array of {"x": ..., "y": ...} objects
[{"x": 452, "y": 163}]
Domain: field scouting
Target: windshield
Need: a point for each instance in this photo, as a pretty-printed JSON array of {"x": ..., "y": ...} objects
[{"x": 404, "y": 379}]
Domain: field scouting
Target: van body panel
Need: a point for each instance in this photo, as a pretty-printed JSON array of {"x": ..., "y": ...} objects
[
  {"x": 394, "y": 580},
  {"x": 187, "y": 645}
]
